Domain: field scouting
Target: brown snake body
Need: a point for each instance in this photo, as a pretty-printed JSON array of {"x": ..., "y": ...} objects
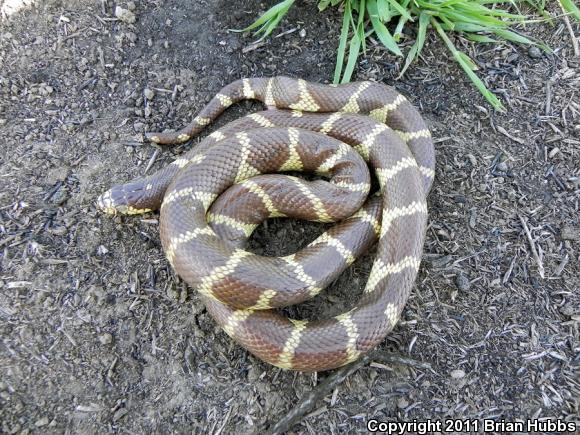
[{"x": 214, "y": 196}]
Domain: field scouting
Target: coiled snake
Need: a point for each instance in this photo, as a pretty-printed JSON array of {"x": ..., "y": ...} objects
[{"x": 215, "y": 195}]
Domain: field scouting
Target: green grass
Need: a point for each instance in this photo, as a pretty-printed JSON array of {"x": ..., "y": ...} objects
[{"x": 479, "y": 21}]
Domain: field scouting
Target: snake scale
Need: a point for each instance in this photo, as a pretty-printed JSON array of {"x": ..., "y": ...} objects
[{"x": 214, "y": 196}]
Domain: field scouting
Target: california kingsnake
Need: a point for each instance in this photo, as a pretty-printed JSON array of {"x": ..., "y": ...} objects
[{"x": 214, "y": 196}]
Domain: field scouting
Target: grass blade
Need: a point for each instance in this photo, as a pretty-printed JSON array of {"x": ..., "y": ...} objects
[
  {"x": 400, "y": 9},
  {"x": 468, "y": 61},
  {"x": 381, "y": 30},
  {"x": 418, "y": 45},
  {"x": 512, "y": 36},
  {"x": 571, "y": 8},
  {"x": 275, "y": 12},
  {"x": 489, "y": 96},
  {"x": 353, "y": 52},
  {"x": 479, "y": 38},
  {"x": 384, "y": 11},
  {"x": 346, "y": 19}
]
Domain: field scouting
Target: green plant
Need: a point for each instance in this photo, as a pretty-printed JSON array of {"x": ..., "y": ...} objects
[{"x": 479, "y": 21}]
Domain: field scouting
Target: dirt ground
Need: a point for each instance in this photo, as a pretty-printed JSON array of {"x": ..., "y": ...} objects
[{"x": 98, "y": 334}]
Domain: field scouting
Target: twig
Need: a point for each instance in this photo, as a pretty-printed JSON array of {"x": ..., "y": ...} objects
[
  {"x": 152, "y": 160},
  {"x": 572, "y": 36},
  {"x": 505, "y": 133},
  {"x": 548, "y": 97},
  {"x": 533, "y": 247},
  {"x": 392, "y": 358},
  {"x": 253, "y": 46},
  {"x": 562, "y": 265},
  {"x": 309, "y": 401}
]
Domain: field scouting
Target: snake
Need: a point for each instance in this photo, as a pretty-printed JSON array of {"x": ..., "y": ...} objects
[{"x": 210, "y": 199}]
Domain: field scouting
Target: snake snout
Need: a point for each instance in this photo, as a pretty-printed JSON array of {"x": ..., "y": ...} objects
[
  {"x": 105, "y": 203},
  {"x": 124, "y": 199}
]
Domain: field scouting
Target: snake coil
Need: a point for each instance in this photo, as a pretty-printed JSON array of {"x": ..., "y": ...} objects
[{"x": 214, "y": 196}]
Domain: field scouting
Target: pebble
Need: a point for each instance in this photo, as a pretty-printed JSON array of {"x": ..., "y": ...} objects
[
  {"x": 568, "y": 232},
  {"x": 567, "y": 310},
  {"x": 302, "y": 33},
  {"x": 253, "y": 374},
  {"x": 462, "y": 282},
  {"x": 402, "y": 403},
  {"x": 502, "y": 166},
  {"x": 441, "y": 261},
  {"x": 149, "y": 94},
  {"x": 106, "y": 338},
  {"x": 120, "y": 414},
  {"x": 472, "y": 159},
  {"x": 125, "y": 15},
  {"x": 534, "y": 52},
  {"x": 42, "y": 422},
  {"x": 457, "y": 374},
  {"x": 60, "y": 196}
]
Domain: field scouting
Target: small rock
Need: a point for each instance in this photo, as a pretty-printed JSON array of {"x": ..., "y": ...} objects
[
  {"x": 302, "y": 33},
  {"x": 472, "y": 159},
  {"x": 457, "y": 374},
  {"x": 567, "y": 310},
  {"x": 440, "y": 262},
  {"x": 132, "y": 37},
  {"x": 45, "y": 89},
  {"x": 553, "y": 152},
  {"x": 42, "y": 422},
  {"x": 402, "y": 403},
  {"x": 568, "y": 232},
  {"x": 253, "y": 374},
  {"x": 119, "y": 414},
  {"x": 101, "y": 250},
  {"x": 106, "y": 338},
  {"x": 149, "y": 94},
  {"x": 534, "y": 52},
  {"x": 125, "y": 15},
  {"x": 462, "y": 282},
  {"x": 131, "y": 6}
]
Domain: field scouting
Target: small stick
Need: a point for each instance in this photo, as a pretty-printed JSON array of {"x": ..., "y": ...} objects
[
  {"x": 152, "y": 160},
  {"x": 548, "y": 97},
  {"x": 308, "y": 402},
  {"x": 533, "y": 247},
  {"x": 562, "y": 265},
  {"x": 253, "y": 46},
  {"x": 573, "y": 37}
]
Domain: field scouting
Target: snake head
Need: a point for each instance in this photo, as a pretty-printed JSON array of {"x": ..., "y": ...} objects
[{"x": 124, "y": 199}]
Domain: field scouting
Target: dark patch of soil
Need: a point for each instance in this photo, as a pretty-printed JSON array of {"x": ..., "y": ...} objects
[{"x": 98, "y": 334}]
